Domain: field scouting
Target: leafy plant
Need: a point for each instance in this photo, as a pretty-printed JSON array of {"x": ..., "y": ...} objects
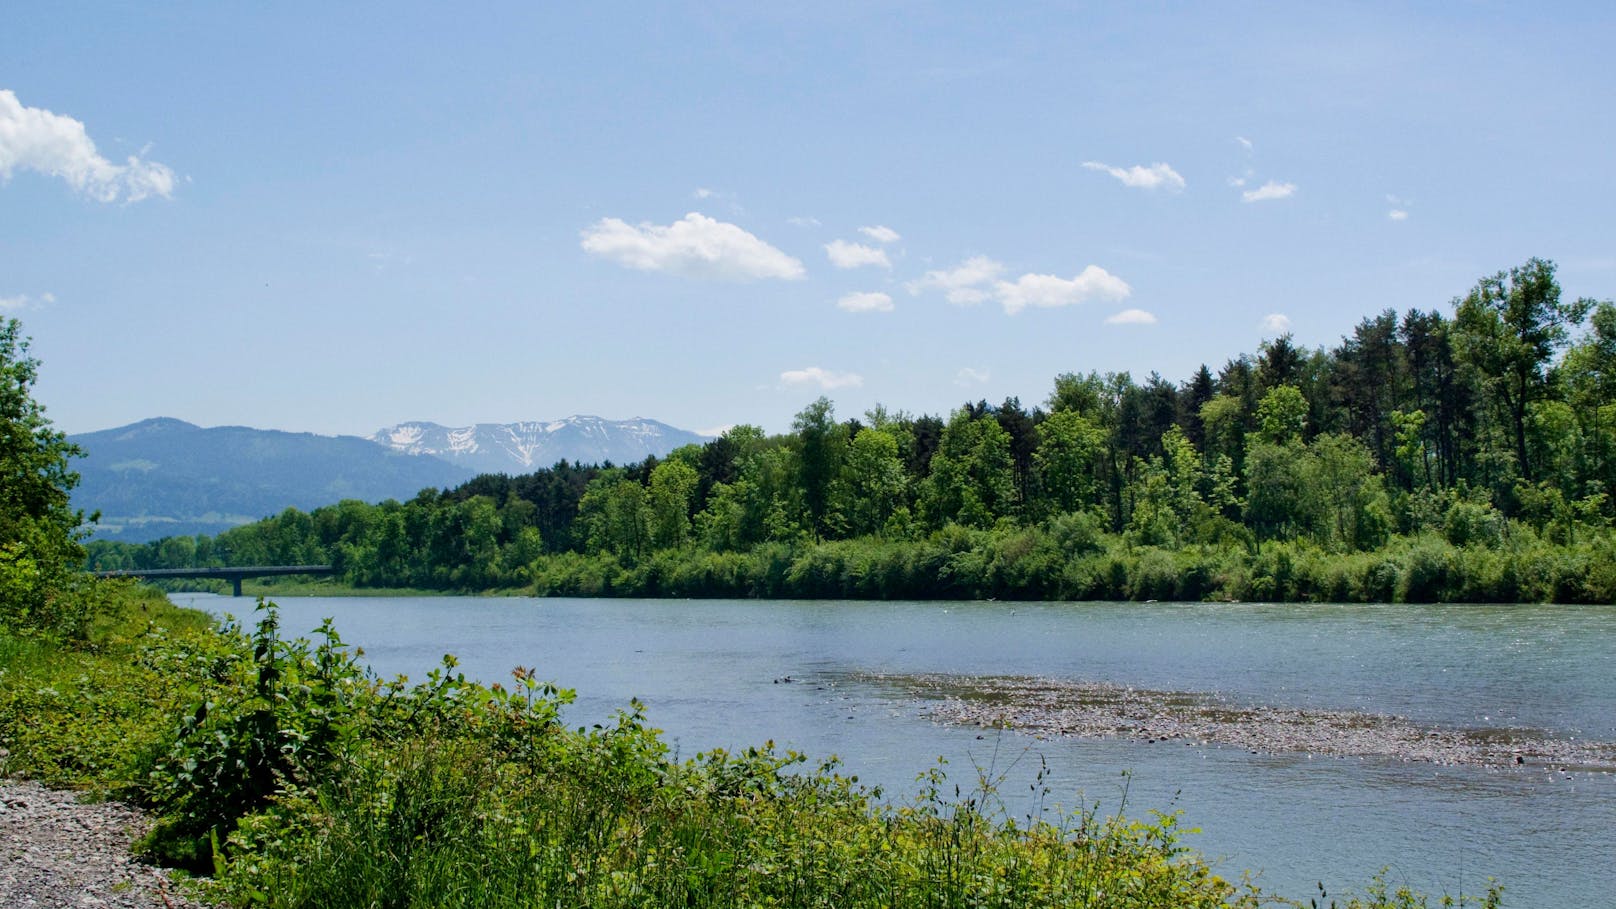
[{"x": 269, "y": 724}]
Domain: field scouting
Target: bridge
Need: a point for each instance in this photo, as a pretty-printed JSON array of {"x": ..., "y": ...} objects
[{"x": 233, "y": 575}]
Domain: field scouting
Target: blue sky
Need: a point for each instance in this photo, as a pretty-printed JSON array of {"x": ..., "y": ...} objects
[{"x": 338, "y": 217}]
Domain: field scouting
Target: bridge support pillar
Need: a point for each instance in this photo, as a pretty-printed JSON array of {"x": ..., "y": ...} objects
[{"x": 235, "y": 586}]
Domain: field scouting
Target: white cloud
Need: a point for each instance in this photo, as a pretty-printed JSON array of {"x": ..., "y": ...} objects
[
  {"x": 21, "y": 302},
  {"x": 967, "y": 296},
  {"x": 703, "y": 192},
  {"x": 1050, "y": 291},
  {"x": 865, "y": 302},
  {"x": 1156, "y": 176},
  {"x": 1397, "y": 214},
  {"x": 696, "y": 246},
  {"x": 824, "y": 378},
  {"x": 961, "y": 285},
  {"x": 1269, "y": 190},
  {"x": 801, "y": 221},
  {"x": 1244, "y": 142},
  {"x": 1131, "y": 317},
  {"x": 880, "y": 233},
  {"x": 715, "y": 431},
  {"x": 1400, "y": 208},
  {"x": 969, "y": 376},
  {"x": 32, "y": 138},
  {"x": 1274, "y": 324},
  {"x": 852, "y": 255}
]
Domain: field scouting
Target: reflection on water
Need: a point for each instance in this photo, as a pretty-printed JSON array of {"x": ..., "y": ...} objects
[{"x": 711, "y": 673}]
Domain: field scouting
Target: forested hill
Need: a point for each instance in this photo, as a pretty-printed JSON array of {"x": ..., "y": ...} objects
[
  {"x": 164, "y": 476},
  {"x": 1467, "y": 456}
]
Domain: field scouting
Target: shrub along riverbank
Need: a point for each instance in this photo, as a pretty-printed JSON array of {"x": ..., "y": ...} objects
[
  {"x": 1069, "y": 560},
  {"x": 296, "y": 779},
  {"x": 1065, "y": 558}
]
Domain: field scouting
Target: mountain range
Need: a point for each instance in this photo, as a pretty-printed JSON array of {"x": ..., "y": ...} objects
[
  {"x": 526, "y": 447},
  {"x": 165, "y": 477}
]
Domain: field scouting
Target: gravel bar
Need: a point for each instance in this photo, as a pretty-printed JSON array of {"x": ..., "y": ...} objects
[
  {"x": 56, "y": 851},
  {"x": 1059, "y": 707}
]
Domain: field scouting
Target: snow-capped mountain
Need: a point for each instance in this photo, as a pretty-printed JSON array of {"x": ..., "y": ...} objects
[{"x": 528, "y": 446}]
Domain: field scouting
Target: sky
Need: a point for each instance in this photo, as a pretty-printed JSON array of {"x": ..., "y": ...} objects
[{"x": 338, "y": 217}]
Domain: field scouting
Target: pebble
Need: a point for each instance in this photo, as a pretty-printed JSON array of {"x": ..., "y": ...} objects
[{"x": 57, "y": 851}]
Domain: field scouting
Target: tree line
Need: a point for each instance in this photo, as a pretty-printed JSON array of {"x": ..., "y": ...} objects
[{"x": 1481, "y": 445}]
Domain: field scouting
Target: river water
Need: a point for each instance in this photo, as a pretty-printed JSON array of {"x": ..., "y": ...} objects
[{"x": 712, "y": 673}]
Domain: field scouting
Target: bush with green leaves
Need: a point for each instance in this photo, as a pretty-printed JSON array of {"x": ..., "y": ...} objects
[{"x": 268, "y": 719}]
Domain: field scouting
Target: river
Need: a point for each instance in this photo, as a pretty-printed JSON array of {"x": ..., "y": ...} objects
[{"x": 714, "y": 673}]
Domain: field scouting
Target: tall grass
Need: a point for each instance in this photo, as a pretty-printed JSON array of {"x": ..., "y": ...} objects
[{"x": 437, "y": 823}]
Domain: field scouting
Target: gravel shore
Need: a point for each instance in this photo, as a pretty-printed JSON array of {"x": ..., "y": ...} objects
[
  {"x": 56, "y": 851},
  {"x": 1100, "y": 710}
]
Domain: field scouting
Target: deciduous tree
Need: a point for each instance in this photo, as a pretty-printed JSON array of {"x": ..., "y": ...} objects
[{"x": 39, "y": 528}]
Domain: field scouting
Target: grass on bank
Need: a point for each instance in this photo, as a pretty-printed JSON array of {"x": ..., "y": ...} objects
[{"x": 299, "y": 780}]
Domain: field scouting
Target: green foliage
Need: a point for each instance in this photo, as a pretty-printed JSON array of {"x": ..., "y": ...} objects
[
  {"x": 1356, "y": 509},
  {"x": 672, "y": 487},
  {"x": 872, "y": 487},
  {"x": 1068, "y": 445},
  {"x": 264, "y": 726},
  {"x": 39, "y": 535},
  {"x": 972, "y": 479},
  {"x": 77, "y": 712},
  {"x": 1279, "y": 503},
  {"x": 1509, "y": 327},
  {"x": 1282, "y": 415},
  {"x": 820, "y": 446}
]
